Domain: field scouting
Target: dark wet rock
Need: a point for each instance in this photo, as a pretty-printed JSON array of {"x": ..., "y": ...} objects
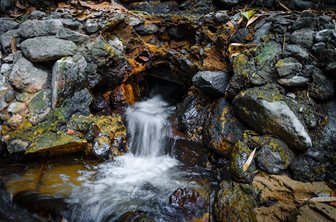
[
  {"x": 192, "y": 114},
  {"x": 325, "y": 35},
  {"x": 239, "y": 156},
  {"x": 187, "y": 200},
  {"x": 222, "y": 130},
  {"x": 321, "y": 87},
  {"x": 297, "y": 51},
  {"x": 7, "y": 24},
  {"x": 27, "y": 77},
  {"x": 71, "y": 23},
  {"x": 292, "y": 81},
  {"x": 16, "y": 146},
  {"x": 265, "y": 110},
  {"x": 78, "y": 104},
  {"x": 68, "y": 76},
  {"x": 39, "y": 106},
  {"x": 304, "y": 37},
  {"x": 100, "y": 102},
  {"x": 190, "y": 153},
  {"x": 135, "y": 216},
  {"x": 10, "y": 212},
  {"x": 187, "y": 66},
  {"x": 91, "y": 26},
  {"x": 227, "y": 3},
  {"x": 305, "y": 168},
  {"x": 101, "y": 147},
  {"x": 211, "y": 82},
  {"x": 7, "y": 38},
  {"x": 42, "y": 49},
  {"x": 73, "y": 36},
  {"x": 241, "y": 36},
  {"x": 41, "y": 204},
  {"x": 273, "y": 156},
  {"x": 147, "y": 29},
  {"x": 34, "y": 28},
  {"x": 234, "y": 202},
  {"x": 288, "y": 66},
  {"x": 6, "y": 5},
  {"x": 179, "y": 32}
]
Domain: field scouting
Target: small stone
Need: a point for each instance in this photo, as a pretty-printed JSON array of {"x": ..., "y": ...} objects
[
  {"x": 288, "y": 66},
  {"x": 43, "y": 49},
  {"x": 297, "y": 51},
  {"x": 325, "y": 35},
  {"x": 294, "y": 81},
  {"x": 188, "y": 200},
  {"x": 34, "y": 28},
  {"x": 17, "y": 107},
  {"x": 91, "y": 26},
  {"x": 211, "y": 82},
  {"x": 71, "y": 24},
  {"x": 304, "y": 37},
  {"x": 146, "y": 29}
]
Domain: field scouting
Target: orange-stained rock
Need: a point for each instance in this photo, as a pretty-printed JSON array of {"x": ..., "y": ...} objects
[{"x": 125, "y": 94}]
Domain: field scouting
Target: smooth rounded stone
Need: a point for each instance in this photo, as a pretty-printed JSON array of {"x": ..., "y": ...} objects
[
  {"x": 7, "y": 24},
  {"x": 6, "y": 69},
  {"x": 235, "y": 202},
  {"x": 222, "y": 129},
  {"x": 17, "y": 145},
  {"x": 3, "y": 103},
  {"x": 297, "y": 51},
  {"x": 309, "y": 22},
  {"x": 293, "y": 81},
  {"x": 146, "y": 28},
  {"x": 188, "y": 200},
  {"x": 70, "y": 35},
  {"x": 27, "y": 77},
  {"x": 91, "y": 26},
  {"x": 10, "y": 95},
  {"x": 135, "y": 216},
  {"x": 68, "y": 75},
  {"x": 288, "y": 66},
  {"x": 17, "y": 107},
  {"x": 211, "y": 82},
  {"x": 43, "y": 49},
  {"x": 71, "y": 23},
  {"x": 304, "y": 37},
  {"x": 45, "y": 205},
  {"x": 274, "y": 156},
  {"x": 325, "y": 35},
  {"x": 101, "y": 147},
  {"x": 39, "y": 106},
  {"x": 37, "y": 14},
  {"x": 7, "y": 38},
  {"x": 321, "y": 87},
  {"x": 227, "y": 2},
  {"x": 192, "y": 113},
  {"x": 265, "y": 110},
  {"x": 34, "y": 28}
]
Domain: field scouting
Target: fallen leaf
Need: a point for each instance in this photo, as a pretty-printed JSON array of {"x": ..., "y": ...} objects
[
  {"x": 248, "y": 13},
  {"x": 103, "y": 6},
  {"x": 251, "y": 20},
  {"x": 249, "y": 161},
  {"x": 63, "y": 5},
  {"x": 13, "y": 45}
]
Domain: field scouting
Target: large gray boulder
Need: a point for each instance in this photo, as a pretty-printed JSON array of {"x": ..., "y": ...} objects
[
  {"x": 34, "y": 28},
  {"x": 27, "y": 77},
  {"x": 265, "y": 110},
  {"x": 211, "y": 82},
  {"x": 7, "y": 24},
  {"x": 42, "y": 49},
  {"x": 67, "y": 77}
]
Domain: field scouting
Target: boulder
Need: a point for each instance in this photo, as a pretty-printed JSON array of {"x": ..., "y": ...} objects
[
  {"x": 239, "y": 156},
  {"x": 304, "y": 37},
  {"x": 234, "y": 202},
  {"x": 265, "y": 110},
  {"x": 188, "y": 200},
  {"x": 91, "y": 26},
  {"x": 43, "y": 49},
  {"x": 68, "y": 76},
  {"x": 222, "y": 130},
  {"x": 211, "y": 82},
  {"x": 34, "y": 28},
  {"x": 7, "y": 24},
  {"x": 27, "y": 77}
]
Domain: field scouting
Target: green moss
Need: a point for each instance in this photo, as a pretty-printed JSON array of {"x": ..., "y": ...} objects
[{"x": 267, "y": 53}]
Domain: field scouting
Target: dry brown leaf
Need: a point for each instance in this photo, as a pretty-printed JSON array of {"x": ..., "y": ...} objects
[
  {"x": 13, "y": 45},
  {"x": 63, "y": 5},
  {"x": 251, "y": 20},
  {"x": 103, "y": 6},
  {"x": 249, "y": 161}
]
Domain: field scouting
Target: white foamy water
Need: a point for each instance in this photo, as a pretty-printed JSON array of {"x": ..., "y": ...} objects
[{"x": 141, "y": 180}]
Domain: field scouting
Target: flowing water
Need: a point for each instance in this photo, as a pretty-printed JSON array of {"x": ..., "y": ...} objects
[{"x": 140, "y": 180}]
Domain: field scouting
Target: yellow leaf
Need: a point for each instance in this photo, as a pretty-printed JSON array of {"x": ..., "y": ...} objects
[
  {"x": 251, "y": 20},
  {"x": 248, "y": 14},
  {"x": 249, "y": 161}
]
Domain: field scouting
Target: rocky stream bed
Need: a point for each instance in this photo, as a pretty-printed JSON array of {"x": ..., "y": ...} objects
[{"x": 245, "y": 120}]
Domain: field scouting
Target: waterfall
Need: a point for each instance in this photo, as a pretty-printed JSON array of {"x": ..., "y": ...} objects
[
  {"x": 143, "y": 179},
  {"x": 148, "y": 127}
]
